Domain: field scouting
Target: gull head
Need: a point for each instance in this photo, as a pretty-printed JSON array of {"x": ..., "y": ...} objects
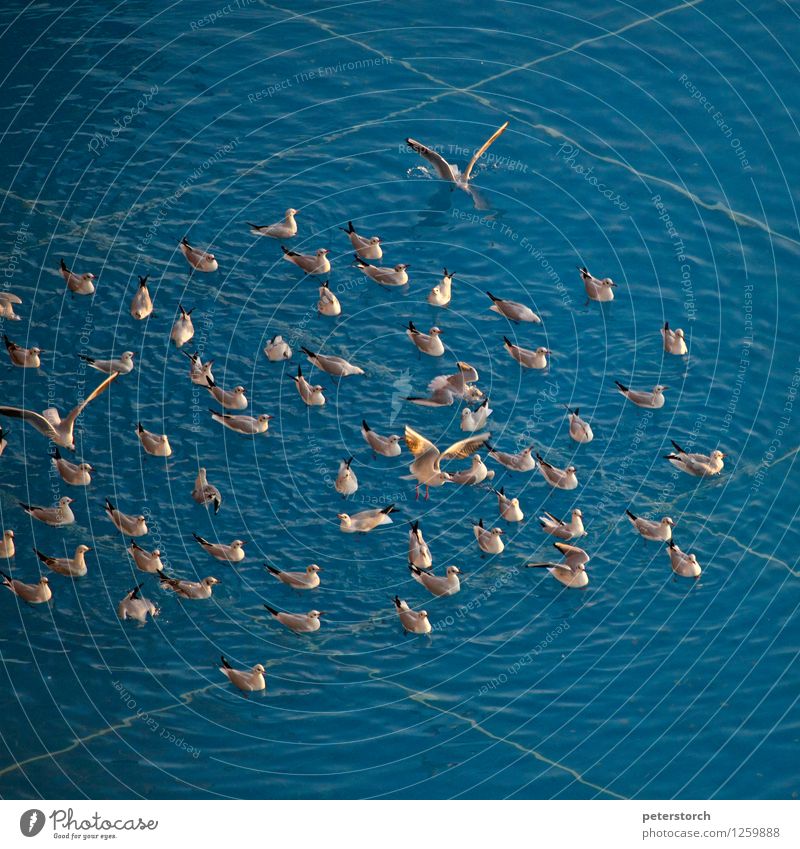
[
  {"x": 127, "y": 356},
  {"x": 63, "y": 502},
  {"x": 571, "y": 470},
  {"x": 238, "y": 390},
  {"x": 608, "y": 282},
  {"x": 435, "y": 331},
  {"x": 85, "y": 467},
  {"x": 9, "y": 534},
  {"x": 237, "y": 543},
  {"x": 313, "y": 568},
  {"x": 291, "y": 211},
  {"x": 259, "y": 669},
  {"x": 543, "y": 351},
  {"x": 210, "y": 581},
  {"x": 36, "y": 351},
  {"x": 82, "y": 549},
  {"x": 315, "y": 614},
  {"x": 515, "y": 502},
  {"x": 497, "y": 532},
  {"x": 264, "y": 418},
  {"x": 679, "y": 333},
  {"x": 402, "y": 266},
  {"x": 657, "y": 390},
  {"x": 667, "y": 522},
  {"x": 394, "y": 439},
  {"x": 717, "y": 454},
  {"x": 453, "y": 570},
  {"x": 43, "y": 580},
  {"x": 87, "y": 277},
  {"x": 322, "y": 252},
  {"x": 577, "y": 513},
  {"x": 375, "y": 240},
  {"x": 156, "y": 552}
]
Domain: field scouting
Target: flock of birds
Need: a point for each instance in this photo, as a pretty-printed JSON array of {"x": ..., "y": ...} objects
[{"x": 425, "y": 468}]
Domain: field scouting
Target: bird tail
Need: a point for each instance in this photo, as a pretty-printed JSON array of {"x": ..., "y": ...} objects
[
  {"x": 539, "y": 565},
  {"x": 389, "y": 509},
  {"x": 200, "y": 539},
  {"x": 364, "y": 425},
  {"x": 630, "y": 515},
  {"x": 272, "y": 569},
  {"x": 225, "y": 663},
  {"x": 677, "y": 447},
  {"x": 621, "y": 387},
  {"x": 271, "y": 610}
]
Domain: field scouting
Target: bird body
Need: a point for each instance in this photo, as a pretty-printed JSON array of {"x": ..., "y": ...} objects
[
  {"x": 652, "y": 400},
  {"x": 277, "y": 350},
  {"x": 70, "y": 567},
  {"x": 246, "y": 680},
  {"x": 674, "y": 340},
  {"x": 415, "y": 622},
  {"x": 522, "y": 461},
  {"x": 193, "y": 590},
  {"x": 156, "y": 444},
  {"x": 388, "y": 446},
  {"x": 419, "y": 554},
  {"x": 564, "y": 530},
  {"x": 346, "y": 482},
  {"x": 557, "y": 478},
  {"x": 56, "y": 517},
  {"x": 132, "y": 526},
  {"x": 366, "y": 520},
  {"x": 300, "y": 623},
  {"x": 395, "y": 276},
  {"x": 141, "y": 303},
  {"x": 205, "y": 492},
  {"x": 286, "y": 229},
  {"x": 509, "y": 507},
  {"x": 365, "y": 247},
  {"x": 683, "y": 564},
  {"x": 7, "y": 547},
  {"x": 183, "y": 329},
  {"x": 22, "y": 357},
  {"x": 570, "y": 573},
  {"x": 146, "y": 561},
  {"x": 660, "y": 531},
  {"x": 306, "y": 580},
  {"x": 75, "y": 474},
  {"x": 316, "y": 263},
  {"x": 231, "y": 399},
  {"x": 328, "y": 304},
  {"x": 426, "y": 468},
  {"x": 136, "y": 606},
  {"x": 438, "y": 585},
  {"x": 232, "y": 553},
  {"x": 489, "y": 540},
  {"x": 39, "y": 593},
  {"x": 579, "y": 429},
  {"x": 513, "y": 310},
  {"x": 429, "y": 343},
  {"x": 597, "y": 289},
  {"x": 199, "y": 260},
  {"x": 527, "y": 357},
  {"x": 122, "y": 364},
  {"x": 336, "y": 366},
  {"x": 442, "y": 294},
  {"x": 78, "y": 284},
  {"x": 696, "y": 464},
  {"x": 311, "y": 393},
  {"x": 247, "y": 425},
  {"x": 472, "y": 420}
]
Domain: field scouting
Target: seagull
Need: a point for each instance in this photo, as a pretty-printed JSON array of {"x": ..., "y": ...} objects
[
  {"x": 231, "y": 399},
  {"x": 7, "y": 547},
  {"x": 247, "y": 425},
  {"x": 286, "y": 229},
  {"x": 300, "y": 623},
  {"x": 653, "y": 400},
  {"x": 436, "y": 584},
  {"x": 596, "y": 289},
  {"x": 248, "y": 681},
  {"x": 558, "y": 478},
  {"x": 419, "y": 554},
  {"x": 132, "y": 526},
  {"x": 310, "y": 264},
  {"x": 425, "y": 468},
  {"x": 70, "y": 567},
  {"x": 526, "y": 357},
  {"x": 572, "y": 572},
  {"x": 429, "y": 343},
  {"x": 142, "y": 303},
  {"x": 50, "y": 424},
  {"x": 657, "y": 531},
  {"x": 307, "y": 580},
  {"x": 75, "y": 474},
  {"x": 564, "y": 530},
  {"x": 522, "y": 461},
  {"x": 199, "y": 260},
  {"x": 396, "y": 276},
  {"x": 489, "y": 541},
  {"x": 7, "y": 301},
  {"x": 233, "y": 553},
  {"x": 699, "y": 465},
  {"x": 346, "y": 481},
  {"x": 441, "y": 295},
  {"x": 3, "y": 441},
  {"x": 366, "y": 520},
  {"x": 415, "y": 622},
  {"x": 183, "y": 329},
  {"x": 477, "y": 473},
  {"x": 22, "y": 357},
  {"x": 674, "y": 341},
  {"x": 683, "y": 564},
  {"x": 189, "y": 589},
  {"x": 388, "y": 446},
  {"x": 509, "y": 507},
  {"x": 451, "y": 173},
  {"x": 328, "y": 304},
  {"x": 472, "y": 420},
  {"x": 446, "y": 387},
  {"x": 309, "y": 392},
  {"x": 78, "y": 284},
  {"x": 366, "y": 248},
  {"x": 146, "y": 561},
  {"x": 579, "y": 429},
  {"x": 277, "y": 350},
  {"x": 156, "y": 444},
  {"x": 122, "y": 364},
  {"x": 205, "y": 492},
  {"x": 135, "y": 606},
  {"x": 512, "y": 310},
  {"x": 32, "y": 593},
  {"x": 198, "y": 371},
  {"x": 56, "y": 517},
  {"x": 336, "y": 366}
]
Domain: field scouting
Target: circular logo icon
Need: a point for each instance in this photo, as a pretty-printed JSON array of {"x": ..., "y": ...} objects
[{"x": 31, "y": 822}]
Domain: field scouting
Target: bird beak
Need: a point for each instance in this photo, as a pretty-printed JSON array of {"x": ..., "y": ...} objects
[{"x": 89, "y": 548}]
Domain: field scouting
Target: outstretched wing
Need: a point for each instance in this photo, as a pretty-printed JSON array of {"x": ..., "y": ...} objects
[
  {"x": 482, "y": 149},
  {"x": 417, "y": 443},
  {"x": 443, "y": 168},
  {"x": 39, "y": 422},
  {"x": 99, "y": 390},
  {"x": 464, "y": 447}
]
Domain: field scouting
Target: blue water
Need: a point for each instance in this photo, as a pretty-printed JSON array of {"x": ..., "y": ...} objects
[{"x": 656, "y": 143}]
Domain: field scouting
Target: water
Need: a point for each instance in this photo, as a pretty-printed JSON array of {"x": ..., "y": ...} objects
[{"x": 654, "y": 143}]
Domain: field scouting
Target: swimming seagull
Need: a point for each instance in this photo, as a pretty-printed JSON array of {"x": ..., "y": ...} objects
[
  {"x": 579, "y": 429},
  {"x": 70, "y": 567},
  {"x": 699, "y": 465},
  {"x": 56, "y": 517},
  {"x": 419, "y": 554},
  {"x": 396, "y": 276},
  {"x": 415, "y": 622},
  {"x": 328, "y": 304},
  {"x": 429, "y": 343},
  {"x": 388, "y": 446},
  {"x": 309, "y": 263},
  {"x": 426, "y": 467},
  {"x": 142, "y": 303},
  {"x": 674, "y": 341},
  {"x": 7, "y": 301},
  {"x": 205, "y": 492},
  {"x": 476, "y": 474},
  {"x": 300, "y": 623},
  {"x": 247, "y": 425},
  {"x": 277, "y": 350},
  {"x": 660, "y": 531},
  {"x": 512, "y": 310},
  {"x": 366, "y": 520},
  {"x": 446, "y": 387},
  {"x": 75, "y": 474},
  {"x": 653, "y": 400},
  {"x": 527, "y": 357},
  {"x": 683, "y": 564},
  {"x": 156, "y": 444},
  {"x": 246, "y": 680},
  {"x": 146, "y": 561},
  {"x": 50, "y": 424},
  {"x": 309, "y": 392},
  {"x": 136, "y": 606},
  {"x": 472, "y": 420},
  {"x": 22, "y": 357},
  {"x": 489, "y": 541},
  {"x": 564, "y": 530},
  {"x": 436, "y": 584},
  {"x": 509, "y": 507},
  {"x": 597, "y": 289},
  {"x": 233, "y": 553},
  {"x": 572, "y": 572},
  {"x": 557, "y": 478},
  {"x": 232, "y": 399},
  {"x": 451, "y": 173},
  {"x": 132, "y": 526},
  {"x": 337, "y": 366},
  {"x": 122, "y": 364},
  {"x": 198, "y": 259},
  {"x": 366, "y": 248},
  {"x": 32, "y": 593},
  {"x": 441, "y": 295},
  {"x": 183, "y": 329},
  {"x": 7, "y": 547},
  {"x": 286, "y": 229},
  {"x": 346, "y": 481},
  {"x": 307, "y": 580},
  {"x": 522, "y": 461},
  {"x": 78, "y": 284},
  {"x": 189, "y": 589},
  {"x": 199, "y": 372}
]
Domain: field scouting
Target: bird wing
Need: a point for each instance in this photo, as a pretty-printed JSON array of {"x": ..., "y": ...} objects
[
  {"x": 464, "y": 447},
  {"x": 98, "y": 390},
  {"x": 443, "y": 168},
  {"x": 38, "y": 421},
  {"x": 417, "y": 443},
  {"x": 483, "y": 148}
]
